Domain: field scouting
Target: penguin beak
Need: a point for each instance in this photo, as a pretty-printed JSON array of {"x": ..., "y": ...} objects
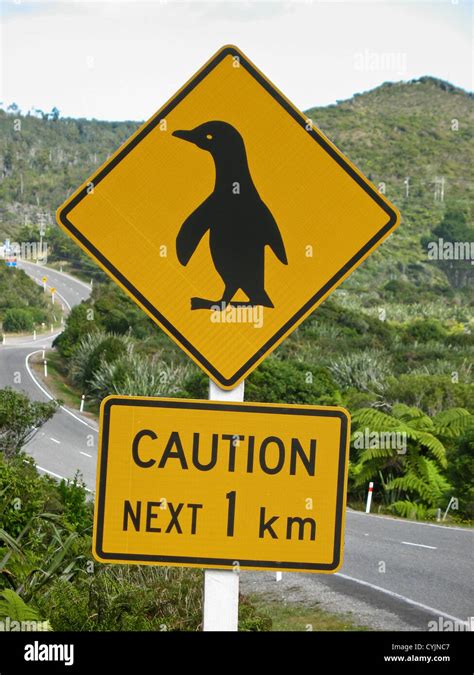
[{"x": 185, "y": 135}]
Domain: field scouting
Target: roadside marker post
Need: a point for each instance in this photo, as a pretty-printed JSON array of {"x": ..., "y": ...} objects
[
  {"x": 83, "y": 397},
  {"x": 45, "y": 364},
  {"x": 369, "y": 497}
]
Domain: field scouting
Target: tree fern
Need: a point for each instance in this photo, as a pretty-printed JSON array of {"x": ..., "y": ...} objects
[{"x": 412, "y": 482}]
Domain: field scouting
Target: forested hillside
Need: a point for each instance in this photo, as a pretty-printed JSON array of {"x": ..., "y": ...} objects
[{"x": 394, "y": 344}]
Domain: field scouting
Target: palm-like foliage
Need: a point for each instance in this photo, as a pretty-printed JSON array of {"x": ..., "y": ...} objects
[
  {"x": 20, "y": 566},
  {"x": 413, "y": 483}
]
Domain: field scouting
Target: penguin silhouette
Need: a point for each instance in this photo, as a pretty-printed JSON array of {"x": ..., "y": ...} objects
[{"x": 240, "y": 224}]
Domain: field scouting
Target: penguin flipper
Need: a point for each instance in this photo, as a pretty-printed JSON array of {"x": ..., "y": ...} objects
[
  {"x": 271, "y": 235},
  {"x": 192, "y": 231}
]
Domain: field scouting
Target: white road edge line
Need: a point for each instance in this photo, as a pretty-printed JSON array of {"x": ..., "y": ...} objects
[
  {"x": 411, "y": 543},
  {"x": 446, "y": 528},
  {"x": 436, "y": 612},
  {"x": 56, "y": 475},
  {"x": 46, "y": 393},
  {"x": 64, "y": 300}
]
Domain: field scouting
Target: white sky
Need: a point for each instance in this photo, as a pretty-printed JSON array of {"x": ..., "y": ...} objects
[{"x": 122, "y": 59}]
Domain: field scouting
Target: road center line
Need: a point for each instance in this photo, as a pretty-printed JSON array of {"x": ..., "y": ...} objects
[
  {"x": 54, "y": 440},
  {"x": 85, "y": 454},
  {"x": 411, "y": 543}
]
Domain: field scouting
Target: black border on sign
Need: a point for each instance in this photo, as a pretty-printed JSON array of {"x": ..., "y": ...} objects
[
  {"x": 134, "y": 292},
  {"x": 212, "y": 405}
]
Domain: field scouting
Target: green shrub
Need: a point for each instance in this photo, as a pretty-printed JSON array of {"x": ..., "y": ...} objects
[
  {"x": 79, "y": 323},
  {"x": 23, "y": 494},
  {"x": 276, "y": 381},
  {"x": 136, "y": 375},
  {"x": 425, "y": 330},
  {"x": 17, "y": 320},
  {"x": 126, "y": 598},
  {"x": 431, "y": 393},
  {"x": 107, "y": 351},
  {"x": 365, "y": 371},
  {"x": 94, "y": 349},
  {"x": 20, "y": 418}
]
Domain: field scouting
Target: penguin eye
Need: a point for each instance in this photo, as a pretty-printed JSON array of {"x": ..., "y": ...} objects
[{"x": 209, "y": 137}]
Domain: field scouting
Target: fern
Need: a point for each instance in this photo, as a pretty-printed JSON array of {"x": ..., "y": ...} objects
[{"x": 412, "y": 483}]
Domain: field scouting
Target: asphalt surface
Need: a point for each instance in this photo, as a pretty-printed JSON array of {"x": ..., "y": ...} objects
[
  {"x": 418, "y": 571},
  {"x": 428, "y": 564}
]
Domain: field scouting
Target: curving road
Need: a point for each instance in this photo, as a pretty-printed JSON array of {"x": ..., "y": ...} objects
[
  {"x": 416, "y": 570},
  {"x": 68, "y": 442}
]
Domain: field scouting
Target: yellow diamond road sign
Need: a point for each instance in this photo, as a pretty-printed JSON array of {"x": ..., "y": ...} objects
[
  {"x": 228, "y": 217},
  {"x": 200, "y": 483}
]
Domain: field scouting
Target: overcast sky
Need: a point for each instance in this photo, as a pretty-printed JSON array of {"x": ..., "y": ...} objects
[{"x": 122, "y": 59}]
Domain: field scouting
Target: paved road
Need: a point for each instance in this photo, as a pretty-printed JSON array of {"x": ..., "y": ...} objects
[
  {"x": 428, "y": 564},
  {"x": 68, "y": 442},
  {"x": 416, "y": 570}
]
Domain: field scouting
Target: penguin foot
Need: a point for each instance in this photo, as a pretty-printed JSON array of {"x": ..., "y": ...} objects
[
  {"x": 202, "y": 303},
  {"x": 221, "y": 305}
]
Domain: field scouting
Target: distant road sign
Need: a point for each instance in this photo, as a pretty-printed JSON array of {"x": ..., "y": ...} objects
[
  {"x": 44, "y": 279},
  {"x": 213, "y": 484},
  {"x": 243, "y": 217},
  {"x": 11, "y": 262}
]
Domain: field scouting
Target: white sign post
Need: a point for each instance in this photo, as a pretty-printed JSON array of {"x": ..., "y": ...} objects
[{"x": 221, "y": 587}]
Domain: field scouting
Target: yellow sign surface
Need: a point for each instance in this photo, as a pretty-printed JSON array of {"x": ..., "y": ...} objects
[
  {"x": 228, "y": 217},
  {"x": 214, "y": 484}
]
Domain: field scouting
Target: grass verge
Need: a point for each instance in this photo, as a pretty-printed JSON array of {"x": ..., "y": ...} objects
[
  {"x": 58, "y": 386},
  {"x": 298, "y": 617}
]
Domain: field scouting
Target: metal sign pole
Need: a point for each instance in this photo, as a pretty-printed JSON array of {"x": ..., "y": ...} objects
[{"x": 221, "y": 587}]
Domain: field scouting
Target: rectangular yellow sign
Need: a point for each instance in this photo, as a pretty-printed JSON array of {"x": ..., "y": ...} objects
[{"x": 221, "y": 485}]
